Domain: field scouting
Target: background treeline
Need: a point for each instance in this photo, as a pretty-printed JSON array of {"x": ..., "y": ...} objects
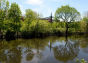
[{"x": 13, "y": 24}]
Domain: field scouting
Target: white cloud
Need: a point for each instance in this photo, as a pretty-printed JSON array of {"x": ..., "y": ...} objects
[
  {"x": 34, "y": 2},
  {"x": 62, "y": 1},
  {"x": 59, "y": 0}
]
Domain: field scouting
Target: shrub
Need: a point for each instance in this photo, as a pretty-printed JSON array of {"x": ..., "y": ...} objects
[
  {"x": 36, "y": 28},
  {"x": 10, "y": 35},
  {"x": 81, "y": 61}
]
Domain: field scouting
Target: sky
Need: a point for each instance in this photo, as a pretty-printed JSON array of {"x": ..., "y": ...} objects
[{"x": 45, "y": 7}]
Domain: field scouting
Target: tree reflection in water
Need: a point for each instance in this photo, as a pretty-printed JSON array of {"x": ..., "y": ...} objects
[
  {"x": 14, "y": 56},
  {"x": 10, "y": 56},
  {"x": 29, "y": 55},
  {"x": 10, "y": 52},
  {"x": 66, "y": 52},
  {"x": 33, "y": 50}
]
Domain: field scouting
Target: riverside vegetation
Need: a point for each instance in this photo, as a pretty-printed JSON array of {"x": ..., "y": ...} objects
[
  {"x": 67, "y": 21},
  {"x": 12, "y": 24}
]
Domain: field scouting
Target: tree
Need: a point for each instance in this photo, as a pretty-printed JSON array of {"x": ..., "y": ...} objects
[
  {"x": 66, "y": 14},
  {"x": 85, "y": 19},
  {"x": 6, "y": 9},
  {"x": 4, "y": 5},
  {"x": 14, "y": 15},
  {"x": 30, "y": 16}
]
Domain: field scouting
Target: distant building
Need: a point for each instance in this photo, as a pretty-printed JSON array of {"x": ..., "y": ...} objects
[
  {"x": 22, "y": 18},
  {"x": 50, "y": 19},
  {"x": 46, "y": 18}
]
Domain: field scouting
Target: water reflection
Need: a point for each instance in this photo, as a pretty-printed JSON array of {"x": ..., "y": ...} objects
[
  {"x": 47, "y": 50},
  {"x": 29, "y": 55},
  {"x": 9, "y": 54},
  {"x": 67, "y": 51}
]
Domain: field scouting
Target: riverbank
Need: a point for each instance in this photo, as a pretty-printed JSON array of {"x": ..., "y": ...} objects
[{"x": 27, "y": 35}]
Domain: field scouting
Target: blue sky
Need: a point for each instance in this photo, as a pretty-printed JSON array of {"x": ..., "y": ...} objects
[{"x": 45, "y": 7}]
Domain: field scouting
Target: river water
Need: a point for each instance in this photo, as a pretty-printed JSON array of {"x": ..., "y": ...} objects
[{"x": 51, "y": 49}]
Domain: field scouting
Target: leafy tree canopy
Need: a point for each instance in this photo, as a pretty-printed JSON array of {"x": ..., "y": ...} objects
[
  {"x": 66, "y": 13},
  {"x": 14, "y": 15},
  {"x": 31, "y": 15}
]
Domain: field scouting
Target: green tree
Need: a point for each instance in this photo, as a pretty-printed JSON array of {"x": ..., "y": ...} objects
[
  {"x": 4, "y": 5},
  {"x": 85, "y": 19},
  {"x": 67, "y": 14},
  {"x": 6, "y": 9},
  {"x": 30, "y": 16},
  {"x": 14, "y": 15}
]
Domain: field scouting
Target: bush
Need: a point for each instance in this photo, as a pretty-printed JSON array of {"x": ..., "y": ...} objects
[
  {"x": 40, "y": 26},
  {"x": 10, "y": 35},
  {"x": 81, "y": 61},
  {"x": 26, "y": 34},
  {"x": 36, "y": 28}
]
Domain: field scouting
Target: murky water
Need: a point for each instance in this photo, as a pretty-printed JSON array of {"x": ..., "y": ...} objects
[{"x": 47, "y": 50}]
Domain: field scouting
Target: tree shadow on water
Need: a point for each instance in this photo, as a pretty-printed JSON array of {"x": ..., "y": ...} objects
[{"x": 67, "y": 51}]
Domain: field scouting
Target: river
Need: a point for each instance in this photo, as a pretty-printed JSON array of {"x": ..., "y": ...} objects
[{"x": 51, "y": 49}]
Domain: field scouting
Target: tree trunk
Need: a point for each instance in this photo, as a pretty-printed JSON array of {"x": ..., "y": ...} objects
[
  {"x": 17, "y": 34},
  {"x": 1, "y": 36},
  {"x": 0, "y": 33},
  {"x": 66, "y": 29}
]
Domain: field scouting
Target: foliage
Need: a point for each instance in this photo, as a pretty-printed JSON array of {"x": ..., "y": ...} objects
[
  {"x": 10, "y": 35},
  {"x": 14, "y": 15},
  {"x": 36, "y": 27},
  {"x": 81, "y": 61},
  {"x": 40, "y": 26},
  {"x": 66, "y": 18},
  {"x": 31, "y": 15},
  {"x": 4, "y": 6},
  {"x": 67, "y": 13},
  {"x": 85, "y": 19},
  {"x": 82, "y": 26},
  {"x": 57, "y": 27}
]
